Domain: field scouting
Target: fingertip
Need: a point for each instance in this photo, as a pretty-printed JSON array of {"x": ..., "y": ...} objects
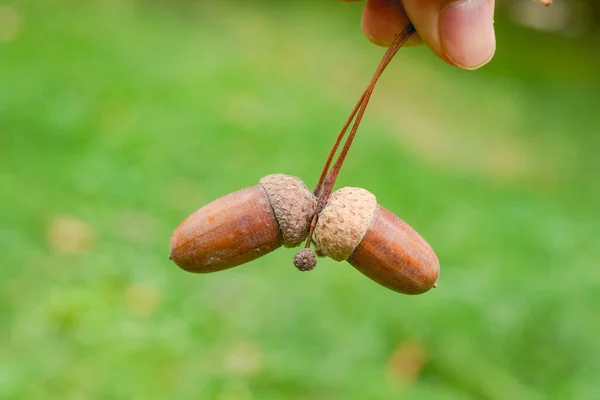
[
  {"x": 467, "y": 35},
  {"x": 383, "y": 20}
]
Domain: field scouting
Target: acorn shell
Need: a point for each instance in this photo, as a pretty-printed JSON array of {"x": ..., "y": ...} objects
[
  {"x": 227, "y": 232},
  {"x": 394, "y": 255}
]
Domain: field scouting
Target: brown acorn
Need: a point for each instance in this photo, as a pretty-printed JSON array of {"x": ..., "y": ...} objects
[
  {"x": 244, "y": 225},
  {"x": 353, "y": 227}
]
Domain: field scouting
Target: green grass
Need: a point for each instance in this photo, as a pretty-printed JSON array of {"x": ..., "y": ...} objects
[{"x": 118, "y": 119}]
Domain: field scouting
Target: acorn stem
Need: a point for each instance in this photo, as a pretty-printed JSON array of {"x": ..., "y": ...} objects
[
  {"x": 329, "y": 176},
  {"x": 387, "y": 58},
  {"x": 336, "y": 145}
]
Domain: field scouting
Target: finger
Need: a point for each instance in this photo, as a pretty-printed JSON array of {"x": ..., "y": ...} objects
[
  {"x": 383, "y": 20},
  {"x": 460, "y": 32}
]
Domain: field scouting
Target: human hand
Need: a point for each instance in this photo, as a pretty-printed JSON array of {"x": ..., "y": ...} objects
[{"x": 459, "y": 32}]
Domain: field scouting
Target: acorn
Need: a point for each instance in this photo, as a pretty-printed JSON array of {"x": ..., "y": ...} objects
[
  {"x": 244, "y": 225},
  {"x": 353, "y": 227}
]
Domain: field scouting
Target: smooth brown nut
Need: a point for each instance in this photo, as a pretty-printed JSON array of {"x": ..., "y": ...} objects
[
  {"x": 244, "y": 225},
  {"x": 353, "y": 227}
]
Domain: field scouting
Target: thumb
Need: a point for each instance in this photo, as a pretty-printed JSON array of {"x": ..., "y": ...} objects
[{"x": 460, "y": 32}]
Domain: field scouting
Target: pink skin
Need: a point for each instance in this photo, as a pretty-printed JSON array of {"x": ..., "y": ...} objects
[{"x": 460, "y": 32}]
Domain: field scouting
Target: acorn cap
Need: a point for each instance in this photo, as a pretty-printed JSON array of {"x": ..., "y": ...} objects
[
  {"x": 294, "y": 206},
  {"x": 344, "y": 221}
]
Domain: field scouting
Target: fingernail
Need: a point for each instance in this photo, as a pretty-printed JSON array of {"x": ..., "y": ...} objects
[{"x": 467, "y": 33}]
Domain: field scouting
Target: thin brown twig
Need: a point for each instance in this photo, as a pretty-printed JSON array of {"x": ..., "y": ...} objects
[
  {"x": 387, "y": 58},
  {"x": 329, "y": 176},
  {"x": 336, "y": 145}
]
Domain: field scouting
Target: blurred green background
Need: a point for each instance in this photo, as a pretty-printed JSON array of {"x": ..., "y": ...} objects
[{"x": 120, "y": 118}]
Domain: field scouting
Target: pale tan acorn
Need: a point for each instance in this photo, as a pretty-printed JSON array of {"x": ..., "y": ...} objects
[
  {"x": 244, "y": 225},
  {"x": 353, "y": 227}
]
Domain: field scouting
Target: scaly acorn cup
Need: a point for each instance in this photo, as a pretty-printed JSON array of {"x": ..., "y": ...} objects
[
  {"x": 353, "y": 227},
  {"x": 244, "y": 225}
]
